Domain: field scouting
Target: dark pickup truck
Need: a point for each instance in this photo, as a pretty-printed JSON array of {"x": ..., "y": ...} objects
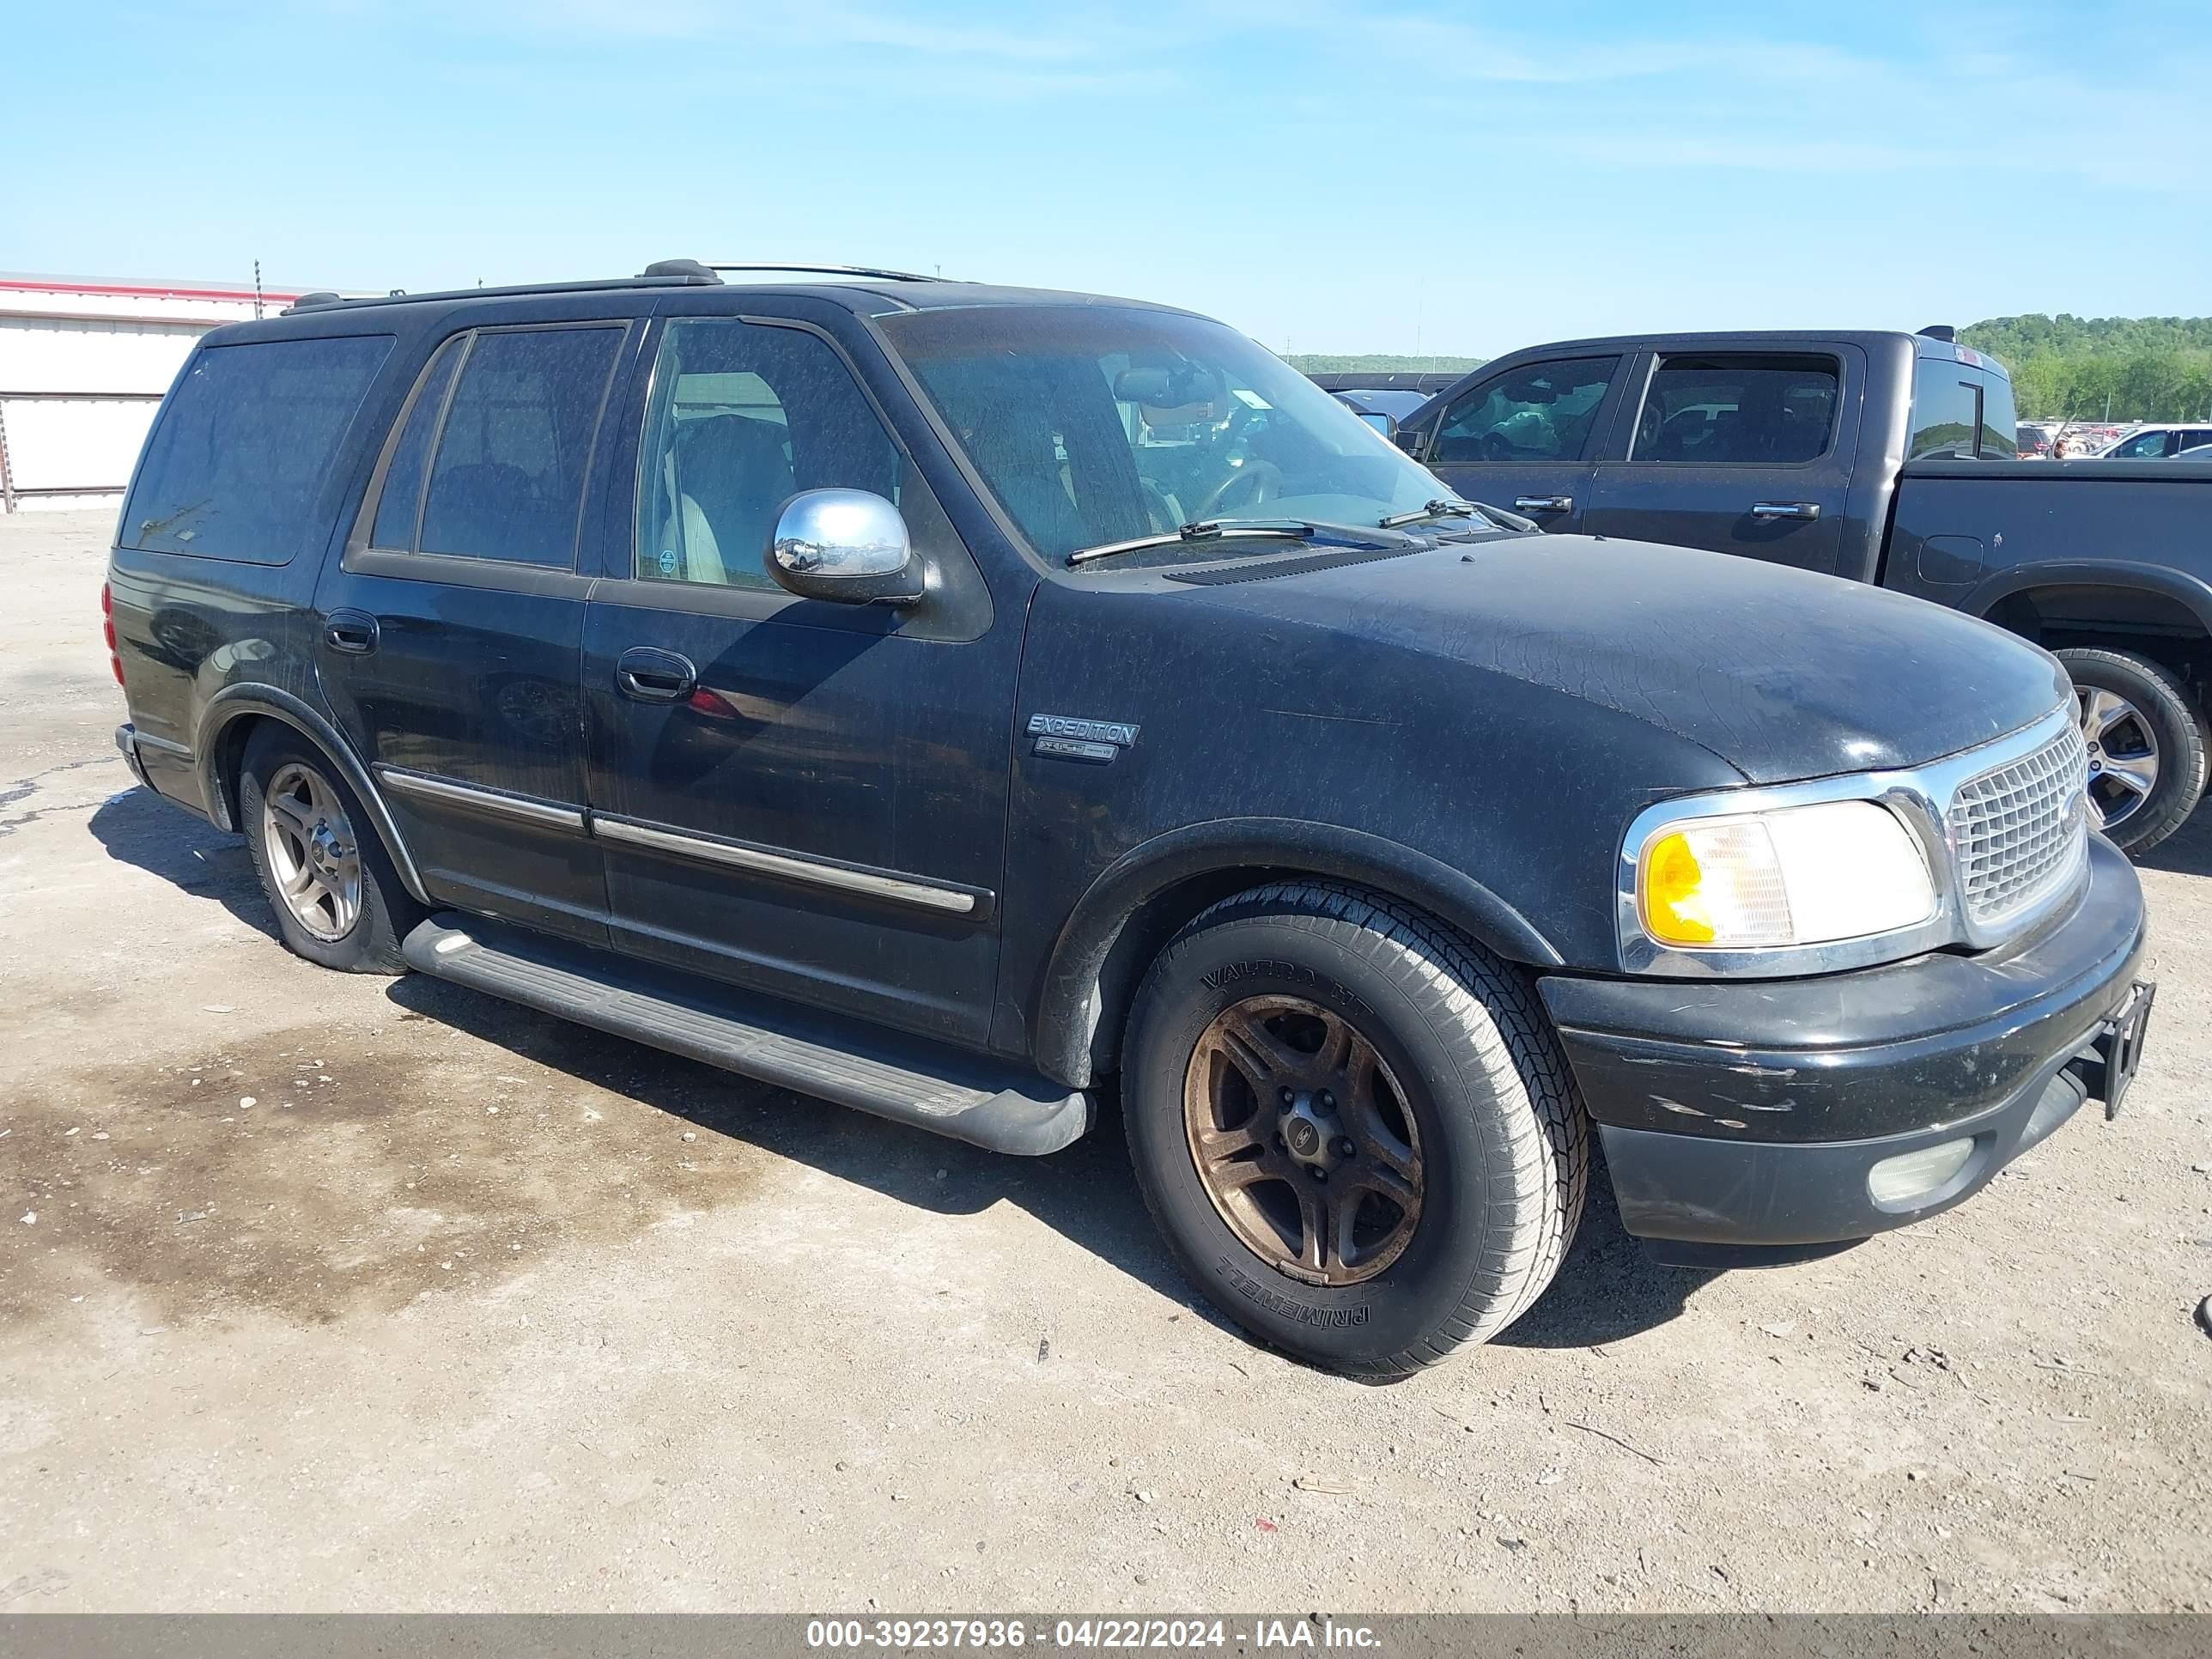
[{"x": 1884, "y": 458}]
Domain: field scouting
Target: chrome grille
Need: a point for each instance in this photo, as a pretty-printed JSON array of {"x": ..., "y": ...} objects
[{"x": 2017, "y": 829}]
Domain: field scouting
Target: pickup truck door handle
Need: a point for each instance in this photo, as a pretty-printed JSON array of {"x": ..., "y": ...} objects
[
  {"x": 647, "y": 675},
  {"x": 1544, "y": 503},
  {"x": 353, "y": 632},
  {"x": 1785, "y": 510}
]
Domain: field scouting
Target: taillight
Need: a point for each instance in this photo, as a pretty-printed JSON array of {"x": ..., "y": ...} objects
[{"x": 107, "y": 633}]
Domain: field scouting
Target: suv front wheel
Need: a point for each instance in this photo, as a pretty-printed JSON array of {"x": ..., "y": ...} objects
[
  {"x": 339, "y": 901},
  {"x": 1356, "y": 1130}
]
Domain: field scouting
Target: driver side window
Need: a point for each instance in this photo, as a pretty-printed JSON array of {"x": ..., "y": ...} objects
[{"x": 1546, "y": 412}]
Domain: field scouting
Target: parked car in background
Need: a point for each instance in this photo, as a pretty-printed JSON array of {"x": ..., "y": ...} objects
[
  {"x": 939, "y": 698},
  {"x": 1382, "y": 408},
  {"x": 2034, "y": 443},
  {"x": 1381, "y": 397},
  {"x": 2157, "y": 443},
  {"x": 1888, "y": 458}
]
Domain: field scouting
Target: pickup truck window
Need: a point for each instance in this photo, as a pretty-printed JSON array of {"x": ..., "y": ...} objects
[
  {"x": 242, "y": 445},
  {"x": 745, "y": 415},
  {"x": 1099, "y": 424},
  {"x": 1546, "y": 412},
  {"x": 1738, "y": 411},
  {"x": 1961, "y": 412}
]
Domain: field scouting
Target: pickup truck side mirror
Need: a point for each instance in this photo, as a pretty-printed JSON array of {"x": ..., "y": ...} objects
[
  {"x": 1413, "y": 440},
  {"x": 847, "y": 546}
]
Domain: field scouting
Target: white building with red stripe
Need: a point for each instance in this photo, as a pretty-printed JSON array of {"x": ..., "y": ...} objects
[{"x": 83, "y": 364}]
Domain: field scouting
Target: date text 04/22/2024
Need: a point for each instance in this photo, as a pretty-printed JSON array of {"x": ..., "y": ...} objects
[{"x": 1285, "y": 1635}]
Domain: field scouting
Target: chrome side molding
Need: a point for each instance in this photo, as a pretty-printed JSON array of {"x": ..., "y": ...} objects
[{"x": 898, "y": 890}]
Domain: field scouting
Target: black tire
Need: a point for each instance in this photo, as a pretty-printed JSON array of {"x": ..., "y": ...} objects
[
  {"x": 1503, "y": 1136},
  {"x": 2169, "y": 718},
  {"x": 371, "y": 944}
]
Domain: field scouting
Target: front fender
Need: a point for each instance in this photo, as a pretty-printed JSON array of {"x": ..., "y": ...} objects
[{"x": 1069, "y": 1003}]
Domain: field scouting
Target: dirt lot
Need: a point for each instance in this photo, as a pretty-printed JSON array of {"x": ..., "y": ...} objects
[{"x": 321, "y": 1292}]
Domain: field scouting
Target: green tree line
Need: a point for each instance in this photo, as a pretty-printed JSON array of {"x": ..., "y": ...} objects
[
  {"x": 1379, "y": 362},
  {"x": 2067, "y": 367}
]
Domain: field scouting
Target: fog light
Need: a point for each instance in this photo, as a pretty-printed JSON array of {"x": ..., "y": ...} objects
[{"x": 1909, "y": 1175}]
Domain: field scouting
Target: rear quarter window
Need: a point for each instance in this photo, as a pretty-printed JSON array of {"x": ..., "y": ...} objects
[{"x": 237, "y": 459}]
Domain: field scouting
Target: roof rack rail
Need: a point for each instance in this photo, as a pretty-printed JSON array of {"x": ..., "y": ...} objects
[
  {"x": 832, "y": 271},
  {"x": 398, "y": 296}
]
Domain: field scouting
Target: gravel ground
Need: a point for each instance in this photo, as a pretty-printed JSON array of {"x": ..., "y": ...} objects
[{"x": 320, "y": 1291}]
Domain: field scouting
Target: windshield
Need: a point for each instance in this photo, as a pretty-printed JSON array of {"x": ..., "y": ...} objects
[{"x": 1095, "y": 424}]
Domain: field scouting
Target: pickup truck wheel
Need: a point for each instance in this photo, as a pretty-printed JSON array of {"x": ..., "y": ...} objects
[
  {"x": 339, "y": 901},
  {"x": 2145, "y": 741},
  {"x": 1355, "y": 1129}
]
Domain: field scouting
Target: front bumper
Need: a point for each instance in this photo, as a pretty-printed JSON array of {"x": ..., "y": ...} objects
[{"x": 1751, "y": 1113}]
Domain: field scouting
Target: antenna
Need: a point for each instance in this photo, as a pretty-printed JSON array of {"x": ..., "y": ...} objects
[{"x": 257, "y": 290}]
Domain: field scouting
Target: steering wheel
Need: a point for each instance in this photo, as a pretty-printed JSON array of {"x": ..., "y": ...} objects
[
  {"x": 1495, "y": 447},
  {"x": 1260, "y": 480}
]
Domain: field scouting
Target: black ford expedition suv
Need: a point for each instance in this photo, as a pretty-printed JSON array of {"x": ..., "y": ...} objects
[
  {"x": 944, "y": 700},
  {"x": 1885, "y": 458}
]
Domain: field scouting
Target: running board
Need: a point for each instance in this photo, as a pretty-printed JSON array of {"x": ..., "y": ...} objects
[{"x": 947, "y": 1092}]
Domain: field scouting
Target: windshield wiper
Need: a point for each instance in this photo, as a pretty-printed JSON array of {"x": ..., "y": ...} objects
[
  {"x": 1201, "y": 530},
  {"x": 1440, "y": 508}
]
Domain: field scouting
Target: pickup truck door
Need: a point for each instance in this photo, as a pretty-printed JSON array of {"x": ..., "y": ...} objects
[
  {"x": 805, "y": 798},
  {"x": 1523, "y": 438},
  {"x": 1738, "y": 452}
]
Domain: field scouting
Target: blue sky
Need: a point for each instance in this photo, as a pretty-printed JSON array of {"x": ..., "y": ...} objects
[{"x": 1328, "y": 176}]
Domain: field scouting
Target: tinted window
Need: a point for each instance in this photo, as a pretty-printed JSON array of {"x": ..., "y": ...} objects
[
  {"x": 744, "y": 417},
  {"x": 2000, "y": 424},
  {"x": 397, "y": 507},
  {"x": 243, "y": 444},
  {"x": 508, "y": 480},
  {"x": 1095, "y": 424},
  {"x": 2143, "y": 447},
  {"x": 1947, "y": 414},
  {"x": 1742, "y": 411},
  {"x": 1545, "y": 413}
]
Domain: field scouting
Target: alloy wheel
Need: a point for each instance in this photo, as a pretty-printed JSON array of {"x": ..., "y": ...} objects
[
  {"x": 1304, "y": 1140},
  {"x": 2123, "y": 755},
  {"x": 314, "y": 860}
]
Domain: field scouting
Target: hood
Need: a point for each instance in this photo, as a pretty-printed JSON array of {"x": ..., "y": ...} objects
[{"x": 1781, "y": 673}]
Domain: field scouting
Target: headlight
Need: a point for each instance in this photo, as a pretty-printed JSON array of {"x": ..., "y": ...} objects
[{"x": 1788, "y": 876}]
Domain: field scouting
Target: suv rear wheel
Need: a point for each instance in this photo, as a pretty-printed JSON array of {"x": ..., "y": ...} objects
[
  {"x": 2147, "y": 744},
  {"x": 339, "y": 901},
  {"x": 1356, "y": 1130}
]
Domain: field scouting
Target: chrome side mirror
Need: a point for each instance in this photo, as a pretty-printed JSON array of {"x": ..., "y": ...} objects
[{"x": 844, "y": 545}]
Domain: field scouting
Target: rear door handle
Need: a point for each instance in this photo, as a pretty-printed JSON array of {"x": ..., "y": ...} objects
[
  {"x": 353, "y": 632},
  {"x": 1544, "y": 503},
  {"x": 645, "y": 674},
  {"x": 1785, "y": 510}
]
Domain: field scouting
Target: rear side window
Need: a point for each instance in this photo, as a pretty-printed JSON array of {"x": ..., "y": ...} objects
[
  {"x": 243, "y": 444},
  {"x": 1738, "y": 411},
  {"x": 1546, "y": 412},
  {"x": 1961, "y": 413},
  {"x": 506, "y": 482},
  {"x": 2000, "y": 439},
  {"x": 401, "y": 504}
]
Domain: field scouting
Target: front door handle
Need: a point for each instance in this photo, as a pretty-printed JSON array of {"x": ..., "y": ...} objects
[
  {"x": 645, "y": 674},
  {"x": 1544, "y": 503},
  {"x": 353, "y": 632},
  {"x": 1786, "y": 510}
]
